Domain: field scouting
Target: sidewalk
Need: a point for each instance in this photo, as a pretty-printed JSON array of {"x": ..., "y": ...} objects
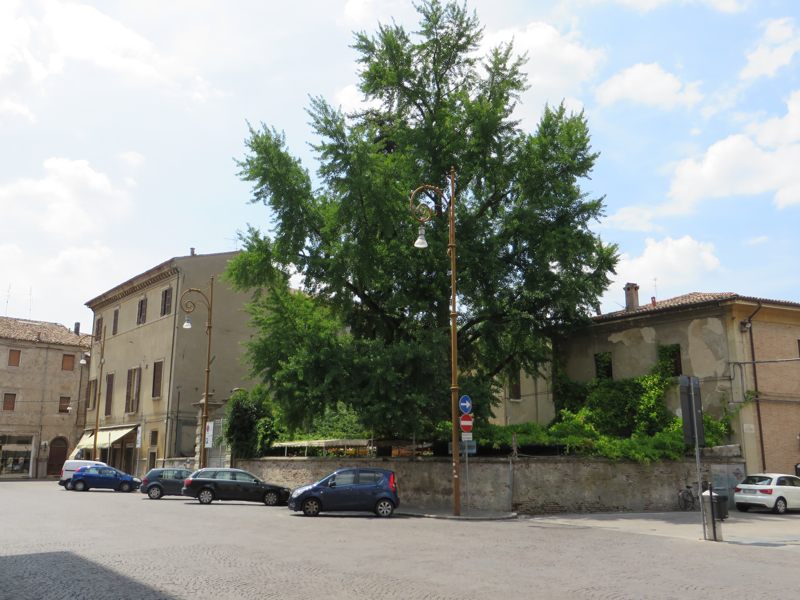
[{"x": 446, "y": 512}]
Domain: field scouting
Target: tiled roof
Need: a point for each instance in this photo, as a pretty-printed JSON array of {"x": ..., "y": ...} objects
[
  {"x": 39, "y": 331},
  {"x": 689, "y": 300}
]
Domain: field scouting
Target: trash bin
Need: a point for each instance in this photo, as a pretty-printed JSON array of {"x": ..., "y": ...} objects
[
  {"x": 797, "y": 469},
  {"x": 720, "y": 506},
  {"x": 713, "y": 527}
]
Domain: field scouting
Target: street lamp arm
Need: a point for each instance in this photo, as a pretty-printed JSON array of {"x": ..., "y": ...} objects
[{"x": 188, "y": 306}]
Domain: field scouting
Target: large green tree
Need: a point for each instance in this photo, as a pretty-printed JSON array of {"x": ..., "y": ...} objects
[{"x": 370, "y": 328}]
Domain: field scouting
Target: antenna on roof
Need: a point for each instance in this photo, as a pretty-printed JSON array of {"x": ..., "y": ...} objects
[
  {"x": 655, "y": 287},
  {"x": 8, "y": 297},
  {"x": 30, "y": 301}
]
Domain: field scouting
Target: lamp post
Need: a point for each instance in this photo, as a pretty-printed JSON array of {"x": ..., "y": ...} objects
[
  {"x": 99, "y": 394},
  {"x": 424, "y": 213},
  {"x": 188, "y": 307}
]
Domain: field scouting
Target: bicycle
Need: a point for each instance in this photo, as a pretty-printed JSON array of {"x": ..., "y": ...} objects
[{"x": 688, "y": 499}]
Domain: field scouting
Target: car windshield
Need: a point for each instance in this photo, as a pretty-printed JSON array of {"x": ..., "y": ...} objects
[{"x": 757, "y": 480}]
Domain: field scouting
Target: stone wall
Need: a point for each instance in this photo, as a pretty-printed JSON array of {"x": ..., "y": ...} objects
[{"x": 536, "y": 485}]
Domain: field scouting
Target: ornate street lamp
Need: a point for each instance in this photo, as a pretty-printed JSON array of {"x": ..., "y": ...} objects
[
  {"x": 423, "y": 213},
  {"x": 188, "y": 307}
]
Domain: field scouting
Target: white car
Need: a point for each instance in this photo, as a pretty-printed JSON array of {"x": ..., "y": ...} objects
[{"x": 774, "y": 491}]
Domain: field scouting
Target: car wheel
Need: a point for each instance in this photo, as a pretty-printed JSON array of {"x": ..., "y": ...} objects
[
  {"x": 742, "y": 507},
  {"x": 79, "y": 486},
  {"x": 68, "y": 485},
  {"x": 311, "y": 507},
  {"x": 270, "y": 498},
  {"x": 780, "y": 506},
  {"x": 154, "y": 493},
  {"x": 384, "y": 508},
  {"x": 206, "y": 496},
  {"x": 125, "y": 487}
]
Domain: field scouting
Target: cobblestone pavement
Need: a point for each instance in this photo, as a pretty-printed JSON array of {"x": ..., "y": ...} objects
[{"x": 56, "y": 544}]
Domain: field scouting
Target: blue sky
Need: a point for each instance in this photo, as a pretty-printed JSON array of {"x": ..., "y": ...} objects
[{"x": 120, "y": 122}]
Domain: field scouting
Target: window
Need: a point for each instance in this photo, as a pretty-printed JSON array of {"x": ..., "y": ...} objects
[
  {"x": 241, "y": 476},
  {"x": 602, "y": 366},
  {"x": 369, "y": 477},
  {"x": 68, "y": 362},
  {"x": 9, "y": 401},
  {"x": 13, "y": 358},
  {"x": 154, "y": 437},
  {"x": 109, "y": 393},
  {"x": 91, "y": 394},
  {"x": 166, "y": 301},
  {"x": 98, "y": 329},
  {"x": 345, "y": 478},
  {"x": 132, "y": 390},
  {"x": 115, "y": 322},
  {"x": 141, "y": 313},
  {"x": 672, "y": 354},
  {"x": 158, "y": 370},
  {"x": 515, "y": 385},
  {"x": 63, "y": 404}
]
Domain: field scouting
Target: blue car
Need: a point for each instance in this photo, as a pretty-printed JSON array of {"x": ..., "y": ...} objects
[
  {"x": 352, "y": 489},
  {"x": 103, "y": 477}
]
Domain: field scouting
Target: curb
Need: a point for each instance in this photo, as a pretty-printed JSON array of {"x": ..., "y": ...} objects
[{"x": 423, "y": 515}]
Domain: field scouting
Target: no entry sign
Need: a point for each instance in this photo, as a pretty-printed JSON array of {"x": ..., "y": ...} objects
[{"x": 466, "y": 422}]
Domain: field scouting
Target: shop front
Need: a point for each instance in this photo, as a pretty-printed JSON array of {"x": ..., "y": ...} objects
[{"x": 16, "y": 452}]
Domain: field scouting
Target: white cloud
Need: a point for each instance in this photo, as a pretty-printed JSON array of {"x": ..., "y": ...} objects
[
  {"x": 761, "y": 161},
  {"x": 132, "y": 158},
  {"x": 757, "y": 241},
  {"x": 350, "y": 99},
  {"x": 776, "y": 49},
  {"x": 648, "y": 84},
  {"x": 558, "y": 66},
  {"x": 40, "y": 47},
  {"x": 71, "y": 199},
  {"x": 736, "y": 166},
  {"x": 10, "y": 107},
  {"x": 678, "y": 265},
  {"x": 780, "y": 131},
  {"x": 726, "y": 6}
]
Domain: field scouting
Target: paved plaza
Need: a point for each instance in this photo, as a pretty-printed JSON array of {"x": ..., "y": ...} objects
[{"x": 105, "y": 545}]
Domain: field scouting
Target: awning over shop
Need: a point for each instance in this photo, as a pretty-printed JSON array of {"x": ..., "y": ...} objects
[
  {"x": 86, "y": 441},
  {"x": 109, "y": 436}
]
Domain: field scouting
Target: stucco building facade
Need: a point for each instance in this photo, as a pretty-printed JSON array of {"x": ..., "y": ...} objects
[
  {"x": 745, "y": 352},
  {"x": 42, "y": 389},
  {"x": 147, "y": 374}
]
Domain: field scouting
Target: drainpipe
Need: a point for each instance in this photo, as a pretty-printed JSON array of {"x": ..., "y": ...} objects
[
  {"x": 749, "y": 322},
  {"x": 169, "y": 422}
]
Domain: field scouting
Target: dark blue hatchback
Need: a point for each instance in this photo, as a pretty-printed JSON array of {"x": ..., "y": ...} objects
[
  {"x": 101, "y": 476},
  {"x": 351, "y": 489}
]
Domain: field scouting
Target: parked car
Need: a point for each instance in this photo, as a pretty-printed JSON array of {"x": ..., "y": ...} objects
[
  {"x": 103, "y": 477},
  {"x": 70, "y": 466},
  {"x": 163, "y": 482},
  {"x": 361, "y": 489},
  {"x": 774, "y": 491},
  {"x": 211, "y": 484}
]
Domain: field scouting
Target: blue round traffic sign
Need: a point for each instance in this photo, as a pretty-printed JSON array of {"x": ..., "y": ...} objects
[{"x": 465, "y": 404}]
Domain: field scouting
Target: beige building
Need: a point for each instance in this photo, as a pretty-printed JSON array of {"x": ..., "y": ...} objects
[
  {"x": 147, "y": 373},
  {"x": 41, "y": 386},
  {"x": 745, "y": 351}
]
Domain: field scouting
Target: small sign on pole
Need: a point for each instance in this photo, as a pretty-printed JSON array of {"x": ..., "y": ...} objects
[
  {"x": 466, "y": 436},
  {"x": 209, "y": 437},
  {"x": 465, "y": 404},
  {"x": 466, "y": 422}
]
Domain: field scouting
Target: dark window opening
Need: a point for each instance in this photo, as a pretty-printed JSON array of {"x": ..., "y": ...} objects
[
  {"x": 602, "y": 366},
  {"x": 166, "y": 301}
]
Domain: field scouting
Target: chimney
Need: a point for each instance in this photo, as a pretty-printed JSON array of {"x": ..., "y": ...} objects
[
  {"x": 191, "y": 251},
  {"x": 631, "y": 296},
  {"x": 77, "y": 329},
  {"x": 652, "y": 300}
]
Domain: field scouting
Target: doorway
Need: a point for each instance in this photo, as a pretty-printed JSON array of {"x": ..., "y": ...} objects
[{"x": 57, "y": 456}]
